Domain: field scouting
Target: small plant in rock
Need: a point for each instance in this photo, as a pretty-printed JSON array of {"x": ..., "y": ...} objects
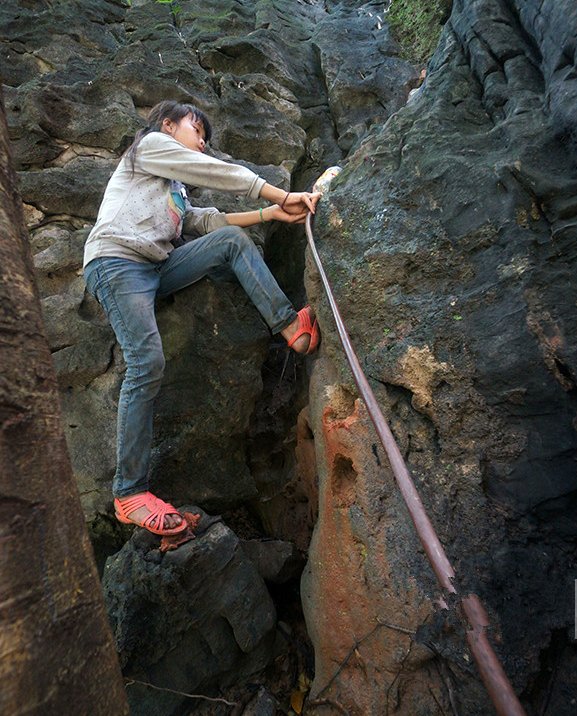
[{"x": 417, "y": 24}]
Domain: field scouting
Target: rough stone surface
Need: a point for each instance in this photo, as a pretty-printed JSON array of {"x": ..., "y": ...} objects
[
  {"x": 450, "y": 240},
  {"x": 285, "y": 98},
  {"x": 276, "y": 561},
  {"x": 79, "y": 79},
  {"x": 192, "y": 619}
]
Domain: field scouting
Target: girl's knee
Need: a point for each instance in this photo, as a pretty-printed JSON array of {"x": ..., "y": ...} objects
[
  {"x": 154, "y": 366},
  {"x": 238, "y": 241},
  {"x": 146, "y": 367},
  {"x": 237, "y": 235}
]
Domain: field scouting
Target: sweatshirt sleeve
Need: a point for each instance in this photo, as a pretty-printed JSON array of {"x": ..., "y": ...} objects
[
  {"x": 203, "y": 221},
  {"x": 161, "y": 155}
]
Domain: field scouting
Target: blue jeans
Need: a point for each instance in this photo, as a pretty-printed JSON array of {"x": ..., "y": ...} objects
[{"x": 127, "y": 290}]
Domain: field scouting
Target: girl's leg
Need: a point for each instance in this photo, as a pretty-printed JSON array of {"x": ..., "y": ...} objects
[
  {"x": 231, "y": 247},
  {"x": 126, "y": 290}
]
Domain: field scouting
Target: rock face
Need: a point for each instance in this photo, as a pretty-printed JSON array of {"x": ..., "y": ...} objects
[
  {"x": 284, "y": 97},
  {"x": 449, "y": 239}
]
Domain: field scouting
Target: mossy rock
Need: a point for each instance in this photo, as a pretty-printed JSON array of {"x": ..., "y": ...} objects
[{"x": 417, "y": 24}]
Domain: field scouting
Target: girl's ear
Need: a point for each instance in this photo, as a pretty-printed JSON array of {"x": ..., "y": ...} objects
[{"x": 167, "y": 126}]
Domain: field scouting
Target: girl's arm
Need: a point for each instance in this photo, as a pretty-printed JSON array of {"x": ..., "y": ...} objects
[
  {"x": 269, "y": 213},
  {"x": 291, "y": 201},
  {"x": 161, "y": 155}
]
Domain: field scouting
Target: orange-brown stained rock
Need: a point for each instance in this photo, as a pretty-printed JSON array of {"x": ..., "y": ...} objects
[{"x": 360, "y": 614}]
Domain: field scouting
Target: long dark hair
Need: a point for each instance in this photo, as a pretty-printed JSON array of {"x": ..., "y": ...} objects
[{"x": 167, "y": 109}]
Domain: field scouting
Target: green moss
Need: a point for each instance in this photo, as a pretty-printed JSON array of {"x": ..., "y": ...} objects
[{"x": 417, "y": 24}]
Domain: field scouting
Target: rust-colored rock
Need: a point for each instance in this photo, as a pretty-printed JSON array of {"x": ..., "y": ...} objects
[{"x": 362, "y": 610}]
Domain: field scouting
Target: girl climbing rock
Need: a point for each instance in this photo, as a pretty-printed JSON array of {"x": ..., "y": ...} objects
[{"x": 130, "y": 259}]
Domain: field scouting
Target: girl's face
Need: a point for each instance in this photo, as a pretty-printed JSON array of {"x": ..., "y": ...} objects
[{"x": 187, "y": 131}]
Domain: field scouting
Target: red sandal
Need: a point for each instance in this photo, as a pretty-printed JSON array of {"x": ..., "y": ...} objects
[
  {"x": 158, "y": 511},
  {"x": 307, "y": 325}
]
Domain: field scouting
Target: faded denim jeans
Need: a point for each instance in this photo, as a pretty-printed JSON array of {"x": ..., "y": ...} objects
[{"x": 127, "y": 291}]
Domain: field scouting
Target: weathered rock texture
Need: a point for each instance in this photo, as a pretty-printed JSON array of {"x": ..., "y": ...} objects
[
  {"x": 284, "y": 94},
  {"x": 287, "y": 96},
  {"x": 186, "y": 619},
  {"x": 49, "y": 590},
  {"x": 449, "y": 239}
]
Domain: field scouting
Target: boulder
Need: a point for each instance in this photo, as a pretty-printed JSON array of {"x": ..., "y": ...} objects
[{"x": 191, "y": 620}]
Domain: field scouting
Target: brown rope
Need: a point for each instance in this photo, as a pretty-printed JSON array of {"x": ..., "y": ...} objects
[{"x": 491, "y": 671}]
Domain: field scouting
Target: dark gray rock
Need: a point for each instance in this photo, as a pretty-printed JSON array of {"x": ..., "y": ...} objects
[
  {"x": 450, "y": 240},
  {"x": 192, "y": 619},
  {"x": 59, "y": 259},
  {"x": 31, "y": 145},
  {"x": 263, "y": 704},
  {"x": 364, "y": 86},
  {"x": 74, "y": 190},
  {"x": 40, "y": 37},
  {"x": 256, "y": 106},
  {"x": 74, "y": 112},
  {"x": 214, "y": 342},
  {"x": 275, "y": 560}
]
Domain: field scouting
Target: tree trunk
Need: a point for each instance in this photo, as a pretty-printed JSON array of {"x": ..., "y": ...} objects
[{"x": 57, "y": 655}]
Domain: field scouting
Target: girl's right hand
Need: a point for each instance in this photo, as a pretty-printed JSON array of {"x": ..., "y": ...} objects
[
  {"x": 295, "y": 216},
  {"x": 299, "y": 201}
]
